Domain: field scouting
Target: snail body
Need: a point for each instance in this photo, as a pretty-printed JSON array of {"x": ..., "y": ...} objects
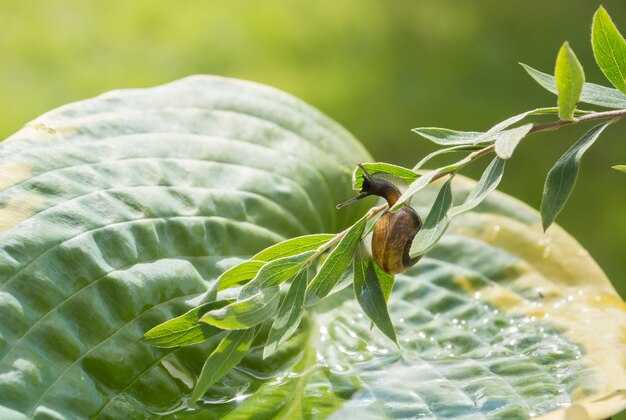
[{"x": 393, "y": 232}]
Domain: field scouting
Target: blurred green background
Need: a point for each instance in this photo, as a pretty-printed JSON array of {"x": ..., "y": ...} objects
[{"x": 380, "y": 68}]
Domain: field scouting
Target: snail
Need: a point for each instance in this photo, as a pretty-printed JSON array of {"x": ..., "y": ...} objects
[{"x": 393, "y": 232}]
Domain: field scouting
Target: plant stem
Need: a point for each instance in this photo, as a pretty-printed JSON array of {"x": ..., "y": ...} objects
[{"x": 550, "y": 125}]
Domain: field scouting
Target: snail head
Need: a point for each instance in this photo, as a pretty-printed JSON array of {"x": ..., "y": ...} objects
[{"x": 373, "y": 185}]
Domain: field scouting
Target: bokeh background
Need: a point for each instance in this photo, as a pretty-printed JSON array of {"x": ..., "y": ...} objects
[{"x": 378, "y": 67}]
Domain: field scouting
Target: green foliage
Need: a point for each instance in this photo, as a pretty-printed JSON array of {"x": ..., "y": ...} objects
[
  {"x": 436, "y": 222},
  {"x": 369, "y": 293},
  {"x": 620, "y": 168},
  {"x": 246, "y": 312},
  {"x": 609, "y": 49},
  {"x": 508, "y": 140},
  {"x": 186, "y": 329},
  {"x": 289, "y": 315},
  {"x": 591, "y": 94},
  {"x": 562, "y": 177},
  {"x": 488, "y": 182},
  {"x": 570, "y": 79},
  {"x": 392, "y": 172},
  {"x": 226, "y": 356},
  {"x": 335, "y": 265}
]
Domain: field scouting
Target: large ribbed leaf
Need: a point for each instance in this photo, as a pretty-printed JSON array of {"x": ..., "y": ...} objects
[{"x": 118, "y": 212}]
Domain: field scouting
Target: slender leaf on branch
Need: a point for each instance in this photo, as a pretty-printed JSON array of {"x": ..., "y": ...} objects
[
  {"x": 239, "y": 274},
  {"x": 488, "y": 182},
  {"x": 226, "y": 356},
  {"x": 289, "y": 315},
  {"x": 570, "y": 79},
  {"x": 592, "y": 93},
  {"x": 274, "y": 273},
  {"x": 447, "y": 137},
  {"x": 436, "y": 222},
  {"x": 369, "y": 292},
  {"x": 507, "y": 141},
  {"x": 384, "y": 170},
  {"x": 621, "y": 168},
  {"x": 492, "y": 133},
  {"x": 385, "y": 280},
  {"x": 419, "y": 184},
  {"x": 446, "y": 150},
  {"x": 335, "y": 265},
  {"x": 562, "y": 177},
  {"x": 293, "y": 246},
  {"x": 186, "y": 329},
  {"x": 609, "y": 49},
  {"x": 247, "y": 312}
]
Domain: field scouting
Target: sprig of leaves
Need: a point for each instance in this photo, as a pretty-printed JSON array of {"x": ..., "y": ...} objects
[{"x": 275, "y": 286}]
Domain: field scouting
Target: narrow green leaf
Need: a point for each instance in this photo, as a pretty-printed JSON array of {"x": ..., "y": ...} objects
[
  {"x": 335, "y": 265},
  {"x": 274, "y": 273},
  {"x": 592, "y": 93},
  {"x": 488, "y": 182},
  {"x": 369, "y": 292},
  {"x": 446, "y": 150},
  {"x": 609, "y": 49},
  {"x": 385, "y": 170},
  {"x": 493, "y": 131},
  {"x": 562, "y": 177},
  {"x": 185, "y": 329},
  {"x": 447, "y": 137},
  {"x": 621, "y": 168},
  {"x": 293, "y": 246},
  {"x": 385, "y": 280},
  {"x": 247, "y": 312},
  {"x": 239, "y": 274},
  {"x": 508, "y": 140},
  {"x": 416, "y": 186},
  {"x": 570, "y": 79},
  {"x": 289, "y": 315},
  {"x": 226, "y": 356},
  {"x": 436, "y": 222}
]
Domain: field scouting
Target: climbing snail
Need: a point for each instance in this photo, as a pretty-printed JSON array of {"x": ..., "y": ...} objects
[{"x": 393, "y": 232}]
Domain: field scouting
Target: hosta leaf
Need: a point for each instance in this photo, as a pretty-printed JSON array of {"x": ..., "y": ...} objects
[
  {"x": 620, "y": 167},
  {"x": 289, "y": 315},
  {"x": 435, "y": 223},
  {"x": 115, "y": 216},
  {"x": 186, "y": 329},
  {"x": 245, "y": 313},
  {"x": 393, "y": 172},
  {"x": 226, "y": 356},
  {"x": 609, "y": 49},
  {"x": 335, "y": 265},
  {"x": 592, "y": 93},
  {"x": 369, "y": 293},
  {"x": 275, "y": 273},
  {"x": 507, "y": 141},
  {"x": 488, "y": 182},
  {"x": 562, "y": 177},
  {"x": 570, "y": 78},
  {"x": 239, "y": 274},
  {"x": 293, "y": 246}
]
